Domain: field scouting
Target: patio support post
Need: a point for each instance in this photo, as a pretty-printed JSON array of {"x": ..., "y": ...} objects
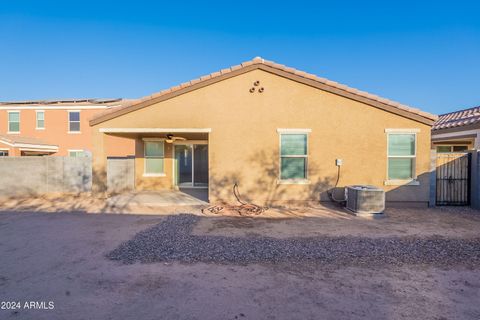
[
  {"x": 475, "y": 180},
  {"x": 99, "y": 164},
  {"x": 433, "y": 178}
]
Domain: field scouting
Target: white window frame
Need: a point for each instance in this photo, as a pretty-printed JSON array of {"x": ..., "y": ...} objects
[
  {"x": 36, "y": 119},
  {"x": 19, "y": 121},
  {"x": 174, "y": 169},
  {"x": 79, "y": 122},
  {"x": 286, "y": 131},
  {"x": 398, "y": 182},
  {"x": 451, "y": 146},
  {"x": 145, "y": 174}
]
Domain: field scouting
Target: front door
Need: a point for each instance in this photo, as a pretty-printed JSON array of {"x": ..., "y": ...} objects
[{"x": 191, "y": 165}]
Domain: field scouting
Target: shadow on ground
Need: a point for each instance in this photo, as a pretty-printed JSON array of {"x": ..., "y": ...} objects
[{"x": 62, "y": 202}]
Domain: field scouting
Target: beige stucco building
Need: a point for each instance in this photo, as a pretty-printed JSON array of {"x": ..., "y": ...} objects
[
  {"x": 457, "y": 131},
  {"x": 278, "y": 133}
]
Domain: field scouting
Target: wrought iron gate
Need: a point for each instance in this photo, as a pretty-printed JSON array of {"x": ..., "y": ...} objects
[{"x": 453, "y": 179}]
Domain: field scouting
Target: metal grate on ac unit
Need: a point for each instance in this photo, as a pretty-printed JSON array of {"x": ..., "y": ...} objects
[{"x": 365, "y": 199}]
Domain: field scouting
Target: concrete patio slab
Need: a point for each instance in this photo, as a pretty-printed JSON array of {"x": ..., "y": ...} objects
[{"x": 163, "y": 198}]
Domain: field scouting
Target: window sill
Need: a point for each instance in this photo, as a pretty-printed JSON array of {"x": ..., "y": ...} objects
[
  {"x": 13, "y": 132},
  {"x": 154, "y": 175},
  {"x": 302, "y": 181},
  {"x": 401, "y": 182},
  {"x": 74, "y": 132},
  {"x": 39, "y": 128}
]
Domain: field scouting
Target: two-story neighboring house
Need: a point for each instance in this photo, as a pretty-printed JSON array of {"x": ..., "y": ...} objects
[{"x": 53, "y": 127}]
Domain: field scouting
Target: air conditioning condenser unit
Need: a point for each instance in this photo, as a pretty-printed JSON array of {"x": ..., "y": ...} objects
[{"x": 365, "y": 199}]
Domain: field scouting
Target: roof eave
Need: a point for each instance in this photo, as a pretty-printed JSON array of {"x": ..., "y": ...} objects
[
  {"x": 297, "y": 76},
  {"x": 470, "y": 126}
]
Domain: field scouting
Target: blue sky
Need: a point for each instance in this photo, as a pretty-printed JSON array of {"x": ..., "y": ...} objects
[{"x": 421, "y": 53}]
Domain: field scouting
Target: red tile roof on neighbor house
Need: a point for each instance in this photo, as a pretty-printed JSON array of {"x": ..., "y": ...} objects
[
  {"x": 458, "y": 118},
  {"x": 259, "y": 63}
]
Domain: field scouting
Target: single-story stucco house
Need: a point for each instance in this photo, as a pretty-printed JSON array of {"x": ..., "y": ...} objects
[
  {"x": 277, "y": 132},
  {"x": 457, "y": 131}
]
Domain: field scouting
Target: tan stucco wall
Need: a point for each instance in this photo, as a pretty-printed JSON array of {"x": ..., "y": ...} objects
[
  {"x": 153, "y": 183},
  {"x": 244, "y": 143},
  {"x": 119, "y": 146}
]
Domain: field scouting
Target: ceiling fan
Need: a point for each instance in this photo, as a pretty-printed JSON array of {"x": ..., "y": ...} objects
[{"x": 170, "y": 138}]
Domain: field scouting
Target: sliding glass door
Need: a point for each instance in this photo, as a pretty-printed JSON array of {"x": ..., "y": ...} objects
[
  {"x": 191, "y": 165},
  {"x": 183, "y": 164},
  {"x": 200, "y": 165}
]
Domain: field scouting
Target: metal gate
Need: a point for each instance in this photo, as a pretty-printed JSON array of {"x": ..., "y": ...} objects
[{"x": 453, "y": 179}]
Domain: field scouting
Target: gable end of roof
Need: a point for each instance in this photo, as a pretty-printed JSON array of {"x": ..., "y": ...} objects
[{"x": 280, "y": 70}]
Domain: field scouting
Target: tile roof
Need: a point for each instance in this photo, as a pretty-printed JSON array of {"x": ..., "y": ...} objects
[
  {"x": 259, "y": 61},
  {"x": 17, "y": 139},
  {"x": 458, "y": 118}
]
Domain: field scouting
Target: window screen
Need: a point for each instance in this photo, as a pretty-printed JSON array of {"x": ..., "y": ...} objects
[
  {"x": 293, "y": 156},
  {"x": 401, "y": 156},
  {"x": 74, "y": 121},
  {"x": 14, "y": 121},
  {"x": 154, "y": 154}
]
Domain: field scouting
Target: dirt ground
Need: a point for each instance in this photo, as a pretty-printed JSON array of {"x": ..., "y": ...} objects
[{"x": 60, "y": 257}]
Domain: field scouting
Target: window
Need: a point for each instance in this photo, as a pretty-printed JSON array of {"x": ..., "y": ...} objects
[
  {"x": 40, "y": 120},
  {"x": 445, "y": 149},
  {"x": 154, "y": 153},
  {"x": 74, "y": 121},
  {"x": 401, "y": 156},
  {"x": 3, "y": 153},
  {"x": 293, "y": 156},
  {"x": 13, "y": 121},
  {"x": 76, "y": 153},
  {"x": 460, "y": 148}
]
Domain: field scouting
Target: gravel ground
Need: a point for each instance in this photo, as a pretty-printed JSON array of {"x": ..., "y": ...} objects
[
  {"x": 171, "y": 240},
  {"x": 60, "y": 257}
]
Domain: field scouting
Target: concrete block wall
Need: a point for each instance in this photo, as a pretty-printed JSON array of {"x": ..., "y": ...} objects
[
  {"x": 40, "y": 175},
  {"x": 120, "y": 174}
]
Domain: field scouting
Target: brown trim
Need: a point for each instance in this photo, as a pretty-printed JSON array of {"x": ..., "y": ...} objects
[
  {"x": 464, "y": 136},
  {"x": 471, "y": 126},
  {"x": 451, "y": 142},
  {"x": 266, "y": 68}
]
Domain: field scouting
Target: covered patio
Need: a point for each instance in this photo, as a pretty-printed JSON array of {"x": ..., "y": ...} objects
[{"x": 165, "y": 165}]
